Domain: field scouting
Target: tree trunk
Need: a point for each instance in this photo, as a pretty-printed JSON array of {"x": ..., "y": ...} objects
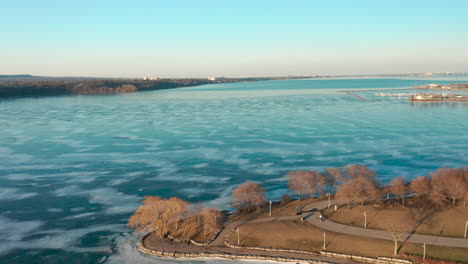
[
  {"x": 348, "y": 205},
  {"x": 395, "y": 250}
]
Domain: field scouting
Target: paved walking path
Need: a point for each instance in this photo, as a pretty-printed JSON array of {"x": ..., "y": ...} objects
[
  {"x": 373, "y": 233},
  {"x": 311, "y": 213}
]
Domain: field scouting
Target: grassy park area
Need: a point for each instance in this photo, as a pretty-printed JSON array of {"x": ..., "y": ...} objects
[
  {"x": 278, "y": 208},
  {"x": 433, "y": 206},
  {"x": 302, "y": 235},
  {"x": 446, "y": 221}
]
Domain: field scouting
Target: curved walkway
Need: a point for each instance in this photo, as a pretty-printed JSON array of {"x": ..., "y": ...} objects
[
  {"x": 311, "y": 213},
  {"x": 374, "y": 233}
]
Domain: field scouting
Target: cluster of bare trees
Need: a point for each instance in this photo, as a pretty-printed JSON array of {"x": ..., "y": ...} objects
[
  {"x": 449, "y": 185},
  {"x": 248, "y": 196},
  {"x": 178, "y": 219},
  {"x": 351, "y": 183},
  {"x": 306, "y": 183},
  {"x": 444, "y": 186},
  {"x": 175, "y": 218},
  {"x": 358, "y": 184}
]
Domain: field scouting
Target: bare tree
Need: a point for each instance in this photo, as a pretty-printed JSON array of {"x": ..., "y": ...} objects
[
  {"x": 420, "y": 185},
  {"x": 177, "y": 210},
  {"x": 248, "y": 196},
  {"x": 306, "y": 183},
  {"x": 211, "y": 220},
  {"x": 399, "y": 232},
  {"x": 448, "y": 185},
  {"x": 299, "y": 183},
  {"x": 465, "y": 198},
  {"x": 398, "y": 187},
  {"x": 334, "y": 176},
  {"x": 385, "y": 190},
  {"x": 354, "y": 171},
  {"x": 465, "y": 172},
  {"x": 158, "y": 215},
  {"x": 188, "y": 226},
  {"x": 317, "y": 182},
  {"x": 366, "y": 189},
  {"x": 345, "y": 193},
  {"x": 359, "y": 189},
  {"x": 457, "y": 189}
]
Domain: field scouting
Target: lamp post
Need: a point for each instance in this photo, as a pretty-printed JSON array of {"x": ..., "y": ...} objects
[
  {"x": 424, "y": 253},
  {"x": 324, "y": 244},
  {"x": 328, "y": 194},
  {"x": 238, "y": 236},
  {"x": 365, "y": 219},
  {"x": 466, "y": 227},
  {"x": 270, "y": 208}
]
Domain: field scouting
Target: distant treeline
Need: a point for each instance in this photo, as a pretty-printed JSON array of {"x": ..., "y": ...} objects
[{"x": 48, "y": 87}]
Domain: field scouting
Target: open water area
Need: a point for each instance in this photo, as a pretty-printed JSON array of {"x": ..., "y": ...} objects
[{"x": 74, "y": 168}]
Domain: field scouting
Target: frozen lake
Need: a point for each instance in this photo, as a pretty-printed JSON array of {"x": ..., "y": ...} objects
[{"x": 73, "y": 168}]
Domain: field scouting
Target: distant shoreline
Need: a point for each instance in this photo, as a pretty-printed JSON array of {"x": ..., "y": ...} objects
[
  {"x": 23, "y": 86},
  {"x": 12, "y": 88},
  {"x": 39, "y": 87}
]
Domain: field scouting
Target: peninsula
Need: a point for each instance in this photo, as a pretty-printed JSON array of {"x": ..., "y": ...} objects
[{"x": 342, "y": 215}]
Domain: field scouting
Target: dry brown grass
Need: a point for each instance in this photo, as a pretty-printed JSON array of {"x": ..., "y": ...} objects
[
  {"x": 278, "y": 209},
  {"x": 304, "y": 236},
  {"x": 445, "y": 222}
]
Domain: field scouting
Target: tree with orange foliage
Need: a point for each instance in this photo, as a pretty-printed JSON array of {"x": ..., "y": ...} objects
[
  {"x": 398, "y": 187},
  {"x": 420, "y": 185},
  {"x": 158, "y": 215},
  {"x": 248, "y": 196}
]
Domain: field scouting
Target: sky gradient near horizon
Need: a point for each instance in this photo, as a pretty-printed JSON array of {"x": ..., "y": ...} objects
[{"x": 231, "y": 38}]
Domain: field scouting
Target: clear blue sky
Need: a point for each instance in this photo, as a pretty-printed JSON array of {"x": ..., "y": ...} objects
[{"x": 175, "y": 38}]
